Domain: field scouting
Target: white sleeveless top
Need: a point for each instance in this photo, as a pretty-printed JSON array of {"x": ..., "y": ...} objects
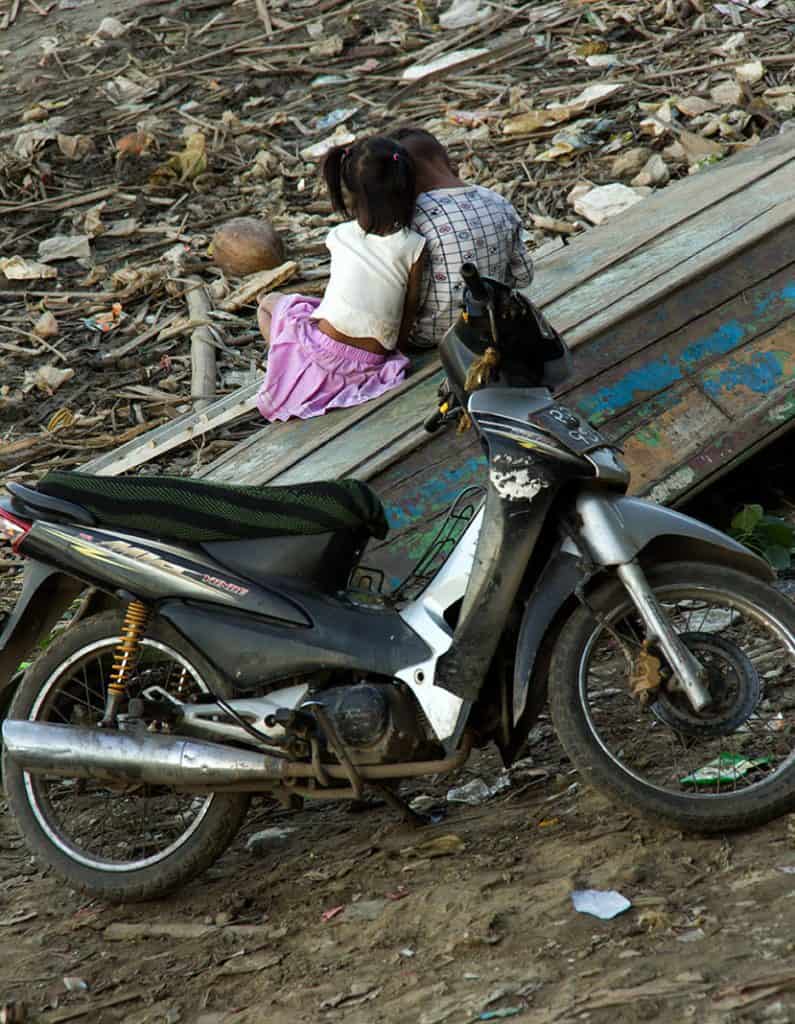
[{"x": 369, "y": 275}]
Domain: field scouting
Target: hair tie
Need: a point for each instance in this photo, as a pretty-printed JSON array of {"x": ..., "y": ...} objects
[{"x": 395, "y": 157}]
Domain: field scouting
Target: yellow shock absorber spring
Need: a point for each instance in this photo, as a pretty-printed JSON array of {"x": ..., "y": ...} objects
[{"x": 124, "y": 657}]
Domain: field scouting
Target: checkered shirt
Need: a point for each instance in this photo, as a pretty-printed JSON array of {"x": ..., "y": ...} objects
[{"x": 461, "y": 225}]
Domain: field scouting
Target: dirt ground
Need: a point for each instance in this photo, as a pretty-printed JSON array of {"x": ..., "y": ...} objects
[{"x": 486, "y": 931}]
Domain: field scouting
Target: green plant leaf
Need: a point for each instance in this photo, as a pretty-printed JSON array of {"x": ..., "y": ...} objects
[
  {"x": 778, "y": 556},
  {"x": 747, "y": 518},
  {"x": 776, "y": 531}
]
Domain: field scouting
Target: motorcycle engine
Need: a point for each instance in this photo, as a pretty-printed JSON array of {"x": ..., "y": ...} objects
[{"x": 378, "y": 722}]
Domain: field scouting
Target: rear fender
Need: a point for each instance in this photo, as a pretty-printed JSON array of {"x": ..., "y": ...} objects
[{"x": 46, "y": 594}]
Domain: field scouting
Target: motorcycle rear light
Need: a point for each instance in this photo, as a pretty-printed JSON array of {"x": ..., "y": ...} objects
[{"x": 12, "y": 530}]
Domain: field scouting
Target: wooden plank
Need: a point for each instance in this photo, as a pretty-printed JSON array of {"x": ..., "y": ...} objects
[
  {"x": 592, "y": 253},
  {"x": 684, "y": 352},
  {"x": 172, "y": 435},
  {"x": 689, "y": 423},
  {"x": 727, "y": 450},
  {"x": 746, "y": 379},
  {"x": 701, "y": 262},
  {"x": 380, "y": 428},
  {"x": 669, "y": 319},
  {"x": 276, "y": 447},
  {"x": 698, "y": 245}
]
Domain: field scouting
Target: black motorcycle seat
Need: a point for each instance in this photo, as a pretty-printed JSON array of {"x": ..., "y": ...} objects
[{"x": 196, "y": 512}]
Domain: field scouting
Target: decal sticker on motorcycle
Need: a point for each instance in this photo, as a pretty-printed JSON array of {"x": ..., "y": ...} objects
[{"x": 516, "y": 480}]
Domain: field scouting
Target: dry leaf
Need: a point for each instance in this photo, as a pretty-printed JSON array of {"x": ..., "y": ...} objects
[
  {"x": 47, "y": 378},
  {"x": 15, "y": 268},
  {"x": 265, "y": 280},
  {"x": 65, "y": 247},
  {"x": 185, "y": 165},
  {"x": 75, "y": 147},
  {"x": 750, "y": 73},
  {"x": 692, "y": 106},
  {"x": 698, "y": 148},
  {"x": 532, "y": 120},
  {"x": 46, "y": 326},
  {"x": 134, "y": 144}
]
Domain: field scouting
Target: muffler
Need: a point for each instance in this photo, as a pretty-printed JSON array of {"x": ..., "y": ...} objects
[{"x": 136, "y": 756}]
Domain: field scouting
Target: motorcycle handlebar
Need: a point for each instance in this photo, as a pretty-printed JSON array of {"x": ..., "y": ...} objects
[{"x": 475, "y": 283}]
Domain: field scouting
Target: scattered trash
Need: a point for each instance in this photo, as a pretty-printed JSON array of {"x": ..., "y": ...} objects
[
  {"x": 463, "y": 13},
  {"x": 507, "y": 1011},
  {"x": 692, "y": 935},
  {"x": 724, "y": 768},
  {"x": 477, "y": 791},
  {"x": 605, "y": 201},
  {"x": 604, "y": 904},
  {"x": 74, "y": 984},
  {"x": 186, "y": 165},
  {"x": 104, "y": 322},
  {"x": 334, "y": 117},
  {"x": 341, "y": 137},
  {"x": 329, "y": 915},
  {"x": 269, "y": 839},
  {"x": 417, "y": 71},
  {"x": 65, "y": 247}
]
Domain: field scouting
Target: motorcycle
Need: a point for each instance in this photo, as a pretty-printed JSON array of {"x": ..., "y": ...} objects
[{"x": 232, "y": 657}]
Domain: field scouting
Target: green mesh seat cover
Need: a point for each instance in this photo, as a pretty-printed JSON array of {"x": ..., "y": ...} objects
[{"x": 195, "y": 511}]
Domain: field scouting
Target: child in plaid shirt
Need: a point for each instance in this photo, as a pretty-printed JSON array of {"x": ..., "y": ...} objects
[{"x": 461, "y": 223}]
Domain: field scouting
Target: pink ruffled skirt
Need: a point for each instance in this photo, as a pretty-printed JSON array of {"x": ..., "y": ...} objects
[{"x": 308, "y": 372}]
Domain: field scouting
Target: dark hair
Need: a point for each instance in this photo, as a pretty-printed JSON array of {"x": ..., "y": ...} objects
[
  {"x": 421, "y": 144},
  {"x": 380, "y": 177}
]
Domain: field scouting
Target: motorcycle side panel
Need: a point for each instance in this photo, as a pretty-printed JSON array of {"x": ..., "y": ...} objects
[
  {"x": 154, "y": 571},
  {"x": 616, "y": 529},
  {"x": 555, "y": 586},
  {"x": 252, "y": 651}
]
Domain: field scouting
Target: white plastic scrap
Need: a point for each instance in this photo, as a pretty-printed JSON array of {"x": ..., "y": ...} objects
[
  {"x": 605, "y": 201},
  {"x": 463, "y": 13},
  {"x": 600, "y": 903}
]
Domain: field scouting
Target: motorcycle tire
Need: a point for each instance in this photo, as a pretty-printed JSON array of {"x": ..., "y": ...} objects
[
  {"x": 619, "y": 745},
  {"x": 67, "y": 678}
]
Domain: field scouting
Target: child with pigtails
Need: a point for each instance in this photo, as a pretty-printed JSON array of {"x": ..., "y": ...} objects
[{"x": 346, "y": 348}]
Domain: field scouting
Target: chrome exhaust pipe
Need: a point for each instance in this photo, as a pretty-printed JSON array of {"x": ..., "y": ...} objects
[{"x": 136, "y": 756}]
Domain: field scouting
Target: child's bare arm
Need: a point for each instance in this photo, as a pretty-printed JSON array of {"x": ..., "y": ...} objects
[{"x": 410, "y": 303}]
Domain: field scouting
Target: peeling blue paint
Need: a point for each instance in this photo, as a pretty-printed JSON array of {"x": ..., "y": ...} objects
[
  {"x": 436, "y": 494},
  {"x": 761, "y": 375},
  {"x": 659, "y": 374}
]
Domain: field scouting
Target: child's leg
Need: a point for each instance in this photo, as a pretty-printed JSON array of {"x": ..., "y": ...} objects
[{"x": 265, "y": 312}]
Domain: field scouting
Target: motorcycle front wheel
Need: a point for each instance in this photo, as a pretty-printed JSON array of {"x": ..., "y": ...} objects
[
  {"x": 629, "y": 730},
  {"x": 122, "y": 843}
]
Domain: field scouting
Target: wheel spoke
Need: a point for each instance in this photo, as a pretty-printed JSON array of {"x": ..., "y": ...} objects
[{"x": 107, "y": 827}]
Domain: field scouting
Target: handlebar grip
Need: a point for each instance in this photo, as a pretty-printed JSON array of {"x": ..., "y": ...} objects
[{"x": 474, "y": 282}]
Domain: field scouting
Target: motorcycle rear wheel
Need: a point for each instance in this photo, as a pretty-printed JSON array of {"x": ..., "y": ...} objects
[
  {"x": 121, "y": 844},
  {"x": 729, "y": 767}
]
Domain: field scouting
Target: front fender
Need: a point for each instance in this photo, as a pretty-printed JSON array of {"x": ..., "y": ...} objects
[
  {"x": 555, "y": 586},
  {"x": 617, "y": 529}
]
